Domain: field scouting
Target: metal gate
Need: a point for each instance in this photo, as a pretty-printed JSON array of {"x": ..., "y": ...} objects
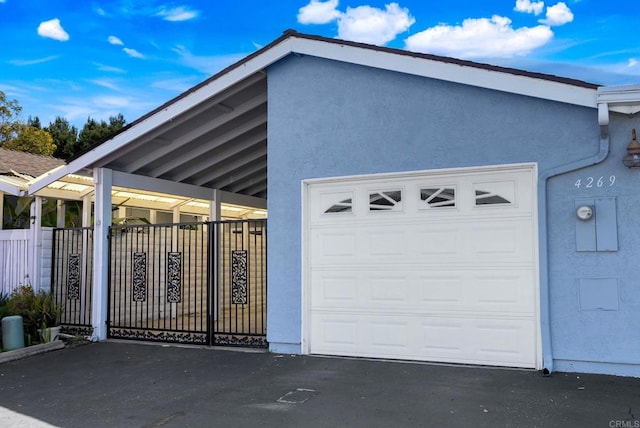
[
  {"x": 72, "y": 277},
  {"x": 198, "y": 283}
]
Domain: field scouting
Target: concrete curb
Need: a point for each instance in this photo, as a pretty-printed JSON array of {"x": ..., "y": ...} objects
[{"x": 29, "y": 351}]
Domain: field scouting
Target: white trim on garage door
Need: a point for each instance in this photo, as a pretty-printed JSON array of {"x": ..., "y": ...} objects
[{"x": 431, "y": 266}]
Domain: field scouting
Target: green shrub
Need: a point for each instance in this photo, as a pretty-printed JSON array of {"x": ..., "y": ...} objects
[
  {"x": 4, "y": 304},
  {"x": 38, "y": 310}
]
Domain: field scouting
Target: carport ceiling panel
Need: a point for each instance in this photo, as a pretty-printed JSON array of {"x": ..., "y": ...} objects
[
  {"x": 191, "y": 140},
  {"x": 133, "y": 155},
  {"x": 248, "y": 171},
  {"x": 232, "y": 166},
  {"x": 205, "y": 170},
  {"x": 203, "y": 145}
]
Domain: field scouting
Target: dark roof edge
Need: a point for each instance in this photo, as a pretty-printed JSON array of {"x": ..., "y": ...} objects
[
  {"x": 449, "y": 60},
  {"x": 293, "y": 33}
]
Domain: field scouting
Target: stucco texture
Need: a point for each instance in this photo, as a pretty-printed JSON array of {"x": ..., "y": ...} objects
[
  {"x": 328, "y": 118},
  {"x": 594, "y": 339}
]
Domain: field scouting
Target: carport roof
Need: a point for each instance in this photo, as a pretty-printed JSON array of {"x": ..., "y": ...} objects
[{"x": 214, "y": 135}]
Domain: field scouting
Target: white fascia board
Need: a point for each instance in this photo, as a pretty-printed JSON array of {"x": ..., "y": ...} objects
[
  {"x": 140, "y": 182},
  {"x": 10, "y": 189},
  {"x": 473, "y": 76},
  {"x": 59, "y": 172},
  {"x": 622, "y": 99},
  {"x": 168, "y": 113},
  {"x": 242, "y": 200}
]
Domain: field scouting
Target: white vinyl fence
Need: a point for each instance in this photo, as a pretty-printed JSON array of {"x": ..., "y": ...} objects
[{"x": 17, "y": 253}]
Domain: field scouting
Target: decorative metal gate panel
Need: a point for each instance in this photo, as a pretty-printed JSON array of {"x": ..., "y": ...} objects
[
  {"x": 72, "y": 277},
  {"x": 197, "y": 283},
  {"x": 158, "y": 282},
  {"x": 240, "y": 316}
]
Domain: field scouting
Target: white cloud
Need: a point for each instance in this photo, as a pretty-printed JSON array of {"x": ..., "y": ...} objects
[
  {"x": 53, "y": 30},
  {"x": 133, "y": 53},
  {"x": 115, "y": 40},
  {"x": 23, "y": 62},
  {"x": 112, "y": 101},
  {"x": 177, "y": 14},
  {"x": 108, "y": 68},
  {"x": 365, "y": 24},
  {"x": 558, "y": 14},
  {"x": 318, "y": 12},
  {"x": 632, "y": 62},
  {"x": 480, "y": 38},
  {"x": 527, "y": 6},
  {"x": 109, "y": 84},
  {"x": 372, "y": 25},
  {"x": 100, "y": 11},
  {"x": 206, "y": 64}
]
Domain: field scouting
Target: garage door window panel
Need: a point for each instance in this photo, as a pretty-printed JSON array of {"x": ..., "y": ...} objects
[
  {"x": 385, "y": 200},
  {"x": 438, "y": 197},
  {"x": 344, "y": 206},
  {"x": 496, "y": 193}
]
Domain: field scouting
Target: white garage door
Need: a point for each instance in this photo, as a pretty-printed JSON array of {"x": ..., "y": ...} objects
[{"x": 437, "y": 266}]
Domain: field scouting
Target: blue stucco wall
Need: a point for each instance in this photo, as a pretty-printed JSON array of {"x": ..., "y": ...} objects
[
  {"x": 328, "y": 118},
  {"x": 585, "y": 338}
]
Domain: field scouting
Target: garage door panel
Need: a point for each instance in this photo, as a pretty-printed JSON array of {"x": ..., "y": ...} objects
[
  {"x": 505, "y": 341},
  {"x": 438, "y": 241},
  {"x": 443, "y": 338},
  {"x": 358, "y": 290},
  {"x": 445, "y": 271},
  {"x": 390, "y": 335},
  {"x": 469, "y": 291},
  {"x": 386, "y": 242},
  {"x": 335, "y": 332},
  {"x": 511, "y": 239},
  {"x": 388, "y": 290},
  {"x": 503, "y": 291},
  {"x": 335, "y": 289},
  {"x": 462, "y": 340},
  {"x": 510, "y": 242}
]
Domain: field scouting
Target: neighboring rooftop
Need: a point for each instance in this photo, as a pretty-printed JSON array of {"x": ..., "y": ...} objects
[{"x": 26, "y": 163}]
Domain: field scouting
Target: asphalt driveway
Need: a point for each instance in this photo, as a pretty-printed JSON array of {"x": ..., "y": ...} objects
[{"x": 136, "y": 385}]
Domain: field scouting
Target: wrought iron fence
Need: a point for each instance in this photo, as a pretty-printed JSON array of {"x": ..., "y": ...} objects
[
  {"x": 72, "y": 277},
  {"x": 239, "y": 317},
  {"x": 158, "y": 282},
  {"x": 199, "y": 283}
]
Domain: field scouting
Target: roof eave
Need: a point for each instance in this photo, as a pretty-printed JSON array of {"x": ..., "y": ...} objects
[{"x": 458, "y": 71}]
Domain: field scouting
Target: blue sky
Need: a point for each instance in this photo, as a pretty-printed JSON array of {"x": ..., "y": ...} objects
[{"x": 77, "y": 59}]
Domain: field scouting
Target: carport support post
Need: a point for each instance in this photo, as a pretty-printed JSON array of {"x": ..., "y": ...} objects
[
  {"x": 61, "y": 212},
  {"x": 215, "y": 215},
  {"x": 1, "y": 209},
  {"x": 35, "y": 242},
  {"x": 102, "y": 179}
]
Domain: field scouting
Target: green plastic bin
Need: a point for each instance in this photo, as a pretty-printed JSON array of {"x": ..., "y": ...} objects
[{"x": 12, "y": 333}]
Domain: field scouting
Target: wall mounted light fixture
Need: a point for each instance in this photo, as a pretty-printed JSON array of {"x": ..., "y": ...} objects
[{"x": 632, "y": 159}]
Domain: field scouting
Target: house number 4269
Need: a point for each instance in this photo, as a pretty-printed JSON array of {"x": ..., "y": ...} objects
[{"x": 590, "y": 182}]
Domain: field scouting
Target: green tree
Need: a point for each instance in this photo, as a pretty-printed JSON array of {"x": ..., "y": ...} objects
[
  {"x": 116, "y": 123},
  {"x": 32, "y": 140},
  {"x": 94, "y": 132},
  {"x": 35, "y": 122},
  {"x": 9, "y": 118},
  {"x": 64, "y": 137}
]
